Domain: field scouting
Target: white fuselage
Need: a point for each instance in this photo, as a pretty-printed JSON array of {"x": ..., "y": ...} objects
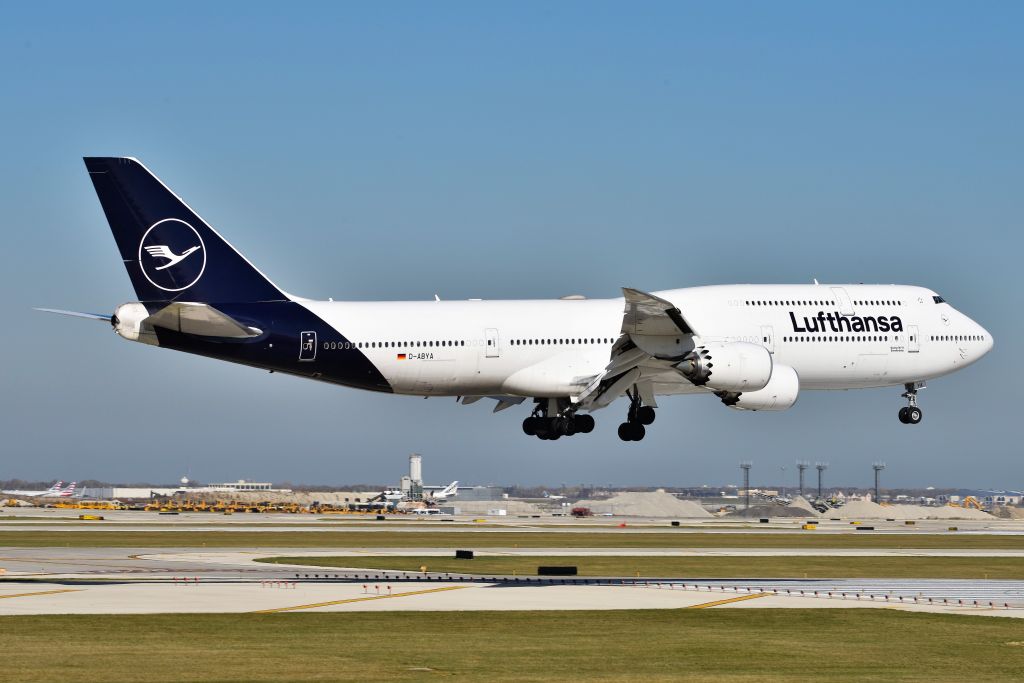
[{"x": 834, "y": 337}]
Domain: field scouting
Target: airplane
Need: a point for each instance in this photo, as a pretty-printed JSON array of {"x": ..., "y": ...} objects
[
  {"x": 389, "y": 496},
  {"x": 69, "y": 491},
  {"x": 54, "y": 491},
  {"x": 753, "y": 347},
  {"x": 442, "y": 494}
]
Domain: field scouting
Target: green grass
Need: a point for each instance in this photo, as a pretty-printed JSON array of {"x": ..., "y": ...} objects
[
  {"x": 706, "y": 567},
  {"x": 719, "y": 645},
  {"x": 380, "y": 538}
]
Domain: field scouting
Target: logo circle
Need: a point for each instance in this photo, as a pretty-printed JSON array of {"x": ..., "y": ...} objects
[{"x": 167, "y": 255}]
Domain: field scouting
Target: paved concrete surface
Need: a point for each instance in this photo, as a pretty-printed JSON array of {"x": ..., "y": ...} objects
[
  {"x": 43, "y": 519},
  {"x": 152, "y": 580},
  {"x": 191, "y": 597}
]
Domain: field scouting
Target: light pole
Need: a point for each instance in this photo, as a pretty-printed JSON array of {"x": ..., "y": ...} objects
[
  {"x": 878, "y": 467},
  {"x": 821, "y": 467},
  {"x": 746, "y": 465},
  {"x": 802, "y": 465}
]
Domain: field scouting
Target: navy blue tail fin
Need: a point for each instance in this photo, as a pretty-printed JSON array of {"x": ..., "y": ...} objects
[{"x": 170, "y": 252}]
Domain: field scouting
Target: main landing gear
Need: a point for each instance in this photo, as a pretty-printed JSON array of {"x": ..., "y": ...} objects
[
  {"x": 638, "y": 416},
  {"x": 911, "y": 414},
  {"x": 551, "y": 428}
]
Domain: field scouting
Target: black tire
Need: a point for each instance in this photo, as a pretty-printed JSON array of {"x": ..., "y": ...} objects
[
  {"x": 903, "y": 414},
  {"x": 914, "y": 415},
  {"x": 584, "y": 424},
  {"x": 637, "y": 431},
  {"x": 645, "y": 415},
  {"x": 625, "y": 433},
  {"x": 530, "y": 426}
]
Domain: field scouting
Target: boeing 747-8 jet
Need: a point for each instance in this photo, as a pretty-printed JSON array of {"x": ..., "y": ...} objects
[{"x": 752, "y": 347}]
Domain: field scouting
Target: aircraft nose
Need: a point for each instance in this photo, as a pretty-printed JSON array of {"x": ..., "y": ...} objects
[{"x": 986, "y": 339}]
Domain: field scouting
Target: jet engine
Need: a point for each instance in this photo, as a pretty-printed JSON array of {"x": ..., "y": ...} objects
[
  {"x": 779, "y": 394},
  {"x": 732, "y": 366}
]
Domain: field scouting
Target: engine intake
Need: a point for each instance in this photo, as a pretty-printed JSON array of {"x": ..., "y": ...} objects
[{"x": 730, "y": 367}]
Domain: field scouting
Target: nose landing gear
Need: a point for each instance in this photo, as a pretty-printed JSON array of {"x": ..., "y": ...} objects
[{"x": 911, "y": 414}]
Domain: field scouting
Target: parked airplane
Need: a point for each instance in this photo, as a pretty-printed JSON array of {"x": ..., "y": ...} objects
[
  {"x": 443, "y": 493},
  {"x": 54, "y": 491},
  {"x": 69, "y": 491},
  {"x": 754, "y": 347}
]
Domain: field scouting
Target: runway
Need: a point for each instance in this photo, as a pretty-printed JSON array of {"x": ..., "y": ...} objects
[
  {"x": 120, "y": 581},
  {"x": 59, "y": 578}
]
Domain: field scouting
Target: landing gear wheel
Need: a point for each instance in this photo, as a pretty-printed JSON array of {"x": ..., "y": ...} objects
[
  {"x": 914, "y": 415},
  {"x": 903, "y": 414},
  {"x": 624, "y": 431},
  {"x": 645, "y": 415},
  {"x": 530, "y": 426},
  {"x": 631, "y": 431},
  {"x": 584, "y": 424}
]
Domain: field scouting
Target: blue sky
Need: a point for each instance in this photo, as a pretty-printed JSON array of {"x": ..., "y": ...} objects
[{"x": 391, "y": 151}]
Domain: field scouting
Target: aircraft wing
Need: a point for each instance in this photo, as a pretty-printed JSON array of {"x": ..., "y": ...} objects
[
  {"x": 651, "y": 315},
  {"x": 655, "y": 338}
]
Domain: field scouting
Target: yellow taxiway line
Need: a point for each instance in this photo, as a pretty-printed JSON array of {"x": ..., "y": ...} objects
[
  {"x": 370, "y": 597},
  {"x": 738, "y": 598},
  {"x": 25, "y": 595}
]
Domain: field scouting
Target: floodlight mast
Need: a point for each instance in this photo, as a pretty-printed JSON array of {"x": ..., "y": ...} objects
[
  {"x": 877, "y": 467},
  {"x": 821, "y": 467},
  {"x": 746, "y": 465},
  {"x": 802, "y": 465}
]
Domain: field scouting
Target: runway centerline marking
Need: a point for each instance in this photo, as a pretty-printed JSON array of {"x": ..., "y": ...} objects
[
  {"x": 716, "y": 603},
  {"x": 25, "y": 595},
  {"x": 349, "y": 600}
]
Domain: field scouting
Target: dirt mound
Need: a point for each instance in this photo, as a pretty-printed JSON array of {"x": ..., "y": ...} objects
[
  {"x": 1008, "y": 512},
  {"x": 803, "y": 504},
  {"x": 864, "y": 509},
  {"x": 645, "y": 504}
]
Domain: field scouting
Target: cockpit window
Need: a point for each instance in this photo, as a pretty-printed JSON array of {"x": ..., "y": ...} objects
[{"x": 938, "y": 299}]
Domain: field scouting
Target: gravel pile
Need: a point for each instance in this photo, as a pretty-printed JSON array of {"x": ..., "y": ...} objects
[
  {"x": 644, "y": 504},
  {"x": 864, "y": 509}
]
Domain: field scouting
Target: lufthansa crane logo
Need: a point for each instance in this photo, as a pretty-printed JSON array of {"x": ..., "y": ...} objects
[{"x": 172, "y": 255}]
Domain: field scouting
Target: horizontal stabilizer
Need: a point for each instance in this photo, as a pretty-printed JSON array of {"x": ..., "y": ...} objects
[{"x": 202, "y": 320}]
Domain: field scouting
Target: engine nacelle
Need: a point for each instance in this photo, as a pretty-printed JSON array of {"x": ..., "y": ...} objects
[
  {"x": 128, "y": 322},
  {"x": 732, "y": 366},
  {"x": 780, "y": 393}
]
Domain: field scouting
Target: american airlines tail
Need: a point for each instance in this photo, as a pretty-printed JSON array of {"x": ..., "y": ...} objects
[{"x": 754, "y": 347}]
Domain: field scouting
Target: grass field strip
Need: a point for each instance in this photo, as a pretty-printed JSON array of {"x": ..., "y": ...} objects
[{"x": 363, "y": 599}]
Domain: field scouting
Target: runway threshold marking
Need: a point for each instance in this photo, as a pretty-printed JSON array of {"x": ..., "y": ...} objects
[
  {"x": 716, "y": 603},
  {"x": 25, "y": 595},
  {"x": 369, "y": 597}
]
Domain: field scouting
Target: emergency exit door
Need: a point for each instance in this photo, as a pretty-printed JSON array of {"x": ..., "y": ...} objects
[
  {"x": 491, "y": 348},
  {"x": 913, "y": 339}
]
